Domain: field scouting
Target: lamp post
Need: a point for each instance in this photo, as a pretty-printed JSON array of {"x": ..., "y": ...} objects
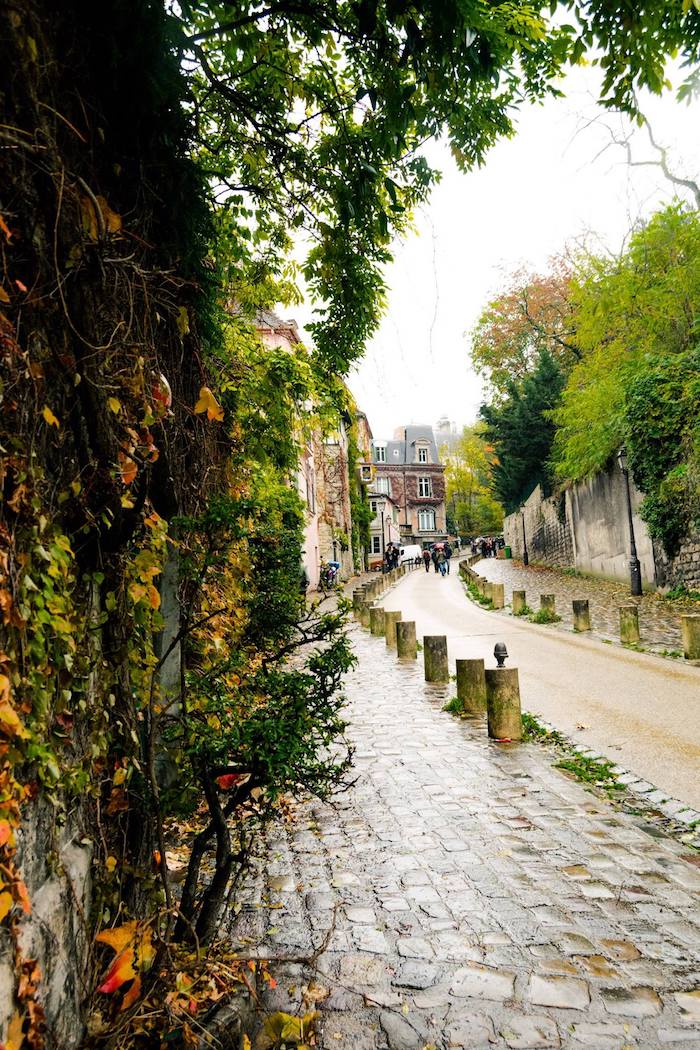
[
  {"x": 383, "y": 548},
  {"x": 635, "y": 568},
  {"x": 526, "y": 558}
]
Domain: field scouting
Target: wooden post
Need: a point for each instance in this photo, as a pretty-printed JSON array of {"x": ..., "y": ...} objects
[
  {"x": 406, "y": 639},
  {"x": 518, "y": 603},
  {"x": 376, "y": 620},
  {"x": 503, "y": 704},
  {"x": 582, "y": 615},
  {"x": 471, "y": 686},
  {"x": 548, "y": 603},
  {"x": 498, "y": 595},
  {"x": 690, "y": 633},
  {"x": 629, "y": 624},
  {"x": 390, "y": 621},
  {"x": 435, "y": 658}
]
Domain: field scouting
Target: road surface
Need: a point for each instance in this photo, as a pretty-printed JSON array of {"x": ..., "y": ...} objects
[{"x": 639, "y": 710}]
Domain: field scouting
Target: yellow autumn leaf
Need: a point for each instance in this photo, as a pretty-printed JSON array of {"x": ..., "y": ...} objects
[
  {"x": 115, "y": 405},
  {"x": 208, "y": 403},
  {"x": 6, "y": 903},
  {"x": 49, "y": 417},
  {"x": 4, "y": 297},
  {"x": 111, "y": 863},
  {"x": 14, "y": 1040}
]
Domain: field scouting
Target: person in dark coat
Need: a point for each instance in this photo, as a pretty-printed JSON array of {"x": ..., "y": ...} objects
[
  {"x": 426, "y": 559},
  {"x": 447, "y": 551}
]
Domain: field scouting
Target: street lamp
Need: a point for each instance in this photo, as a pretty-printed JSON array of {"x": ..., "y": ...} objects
[
  {"x": 635, "y": 568},
  {"x": 526, "y": 558}
]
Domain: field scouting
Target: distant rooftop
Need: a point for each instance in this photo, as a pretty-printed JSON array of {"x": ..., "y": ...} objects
[{"x": 402, "y": 449}]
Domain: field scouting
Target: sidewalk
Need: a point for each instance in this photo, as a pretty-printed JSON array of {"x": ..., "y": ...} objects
[
  {"x": 659, "y": 619},
  {"x": 481, "y": 898}
]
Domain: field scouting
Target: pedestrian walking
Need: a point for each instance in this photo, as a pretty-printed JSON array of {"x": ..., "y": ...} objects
[
  {"x": 426, "y": 559},
  {"x": 434, "y": 556},
  {"x": 447, "y": 551},
  {"x": 441, "y": 562}
]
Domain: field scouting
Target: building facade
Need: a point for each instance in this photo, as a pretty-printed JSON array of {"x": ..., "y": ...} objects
[{"x": 408, "y": 470}]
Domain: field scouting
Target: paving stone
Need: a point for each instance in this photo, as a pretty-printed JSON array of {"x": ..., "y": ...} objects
[
  {"x": 469, "y": 1031},
  {"x": 597, "y": 966},
  {"x": 603, "y": 1035},
  {"x": 414, "y": 948},
  {"x": 481, "y": 982},
  {"x": 575, "y": 944},
  {"x": 622, "y": 950},
  {"x": 432, "y": 998},
  {"x": 347, "y": 1032},
  {"x": 402, "y": 1033},
  {"x": 367, "y": 939},
  {"x": 631, "y": 1002},
  {"x": 678, "y": 1035},
  {"x": 689, "y": 1003},
  {"x": 360, "y": 915},
  {"x": 530, "y": 1031},
  {"x": 566, "y": 993},
  {"x": 414, "y": 974}
]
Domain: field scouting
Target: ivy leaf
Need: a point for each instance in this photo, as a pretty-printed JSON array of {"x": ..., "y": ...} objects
[
  {"x": 208, "y": 403},
  {"x": 115, "y": 405},
  {"x": 50, "y": 418},
  {"x": 134, "y": 949},
  {"x": 6, "y": 904},
  {"x": 127, "y": 468}
]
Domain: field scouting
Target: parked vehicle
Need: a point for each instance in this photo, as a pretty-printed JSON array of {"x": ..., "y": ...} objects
[{"x": 410, "y": 552}]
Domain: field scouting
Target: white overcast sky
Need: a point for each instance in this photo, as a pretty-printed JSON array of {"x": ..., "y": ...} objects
[{"x": 536, "y": 192}]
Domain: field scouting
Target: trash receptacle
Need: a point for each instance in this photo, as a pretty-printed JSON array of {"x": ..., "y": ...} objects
[{"x": 507, "y": 552}]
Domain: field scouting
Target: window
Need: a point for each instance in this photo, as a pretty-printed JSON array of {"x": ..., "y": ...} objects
[
  {"x": 382, "y": 485},
  {"x": 373, "y": 505},
  {"x": 425, "y": 487},
  {"x": 380, "y": 453},
  {"x": 422, "y": 455},
  {"x": 426, "y": 521},
  {"x": 376, "y": 545}
]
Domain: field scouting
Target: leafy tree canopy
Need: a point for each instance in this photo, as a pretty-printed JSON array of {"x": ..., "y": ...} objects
[
  {"x": 534, "y": 313},
  {"x": 472, "y": 508},
  {"x": 309, "y": 117},
  {"x": 521, "y": 430}
]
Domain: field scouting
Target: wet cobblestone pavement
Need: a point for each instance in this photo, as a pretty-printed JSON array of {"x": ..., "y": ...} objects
[
  {"x": 659, "y": 619},
  {"x": 476, "y": 897}
]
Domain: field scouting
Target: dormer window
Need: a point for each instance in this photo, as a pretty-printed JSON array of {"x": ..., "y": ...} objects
[
  {"x": 380, "y": 453},
  {"x": 422, "y": 455}
]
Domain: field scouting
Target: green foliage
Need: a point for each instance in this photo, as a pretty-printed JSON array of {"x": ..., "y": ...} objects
[
  {"x": 453, "y": 706},
  {"x": 477, "y": 596},
  {"x": 472, "y": 507},
  {"x": 525, "y": 611},
  {"x": 639, "y": 379},
  {"x": 591, "y": 771},
  {"x": 521, "y": 430},
  {"x": 544, "y": 616},
  {"x": 534, "y": 730},
  {"x": 360, "y": 510}
]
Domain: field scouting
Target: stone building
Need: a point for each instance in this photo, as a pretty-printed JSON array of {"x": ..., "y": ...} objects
[{"x": 408, "y": 469}]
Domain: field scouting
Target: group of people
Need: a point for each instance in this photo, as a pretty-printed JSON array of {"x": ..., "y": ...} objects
[
  {"x": 439, "y": 554},
  {"x": 487, "y": 546},
  {"x": 392, "y": 555}
]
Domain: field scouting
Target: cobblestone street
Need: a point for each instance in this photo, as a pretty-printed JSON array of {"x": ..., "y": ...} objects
[
  {"x": 659, "y": 619},
  {"x": 477, "y": 897}
]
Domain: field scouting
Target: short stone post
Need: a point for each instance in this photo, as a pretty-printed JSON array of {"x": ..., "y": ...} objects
[
  {"x": 582, "y": 614},
  {"x": 690, "y": 633},
  {"x": 488, "y": 590},
  {"x": 471, "y": 686},
  {"x": 503, "y": 704},
  {"x": 364, "y": 613},
  {"x": 518, "y": 603},
  {"x": 548, "y": 603},
  {"x": 435, "y": 658},
  {"x": 390, "y": 621},
  {"x": 376, "y": 620},
  {"x": 498, "y": 595},
  {"x": 629, "y": 624},
  {"x": 406, "y": 639}
]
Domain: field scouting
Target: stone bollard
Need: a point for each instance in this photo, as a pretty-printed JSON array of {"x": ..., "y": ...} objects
[
  {"x": 406, "y": 639},
  {"x": 376, "y": 620},
  {"x": 548, "y": 603},
  {"x": 582, "y": 614},
  {"x": 498, "y": 595},
  {"x": 629, "y": 624},
  {"x": 471, "y": 686},
  {"x": 435, "y": 658},
  {"x": 364, "y": 614},
  {"x": 488, "y": 590},
  {"x": 503, "y": 704},
  {"x": 518, "y": 603},
  {"x": 690, "y": 634},
  {"x": 390, "y": 621}
]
